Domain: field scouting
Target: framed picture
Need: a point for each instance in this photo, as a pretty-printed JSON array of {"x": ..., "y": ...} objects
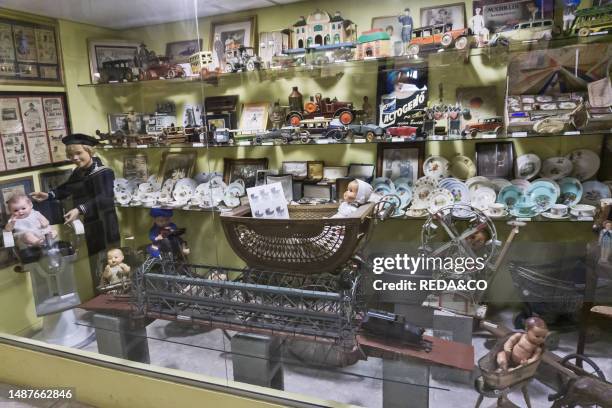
[
  {"x": 117, "y": 122},
  {"x": 362, "y": 171},
  {"x": 176, "y": 165},
  {"x": 286, "y": 183},
  {"x": 452, "y": 15},
  {"x": 14, "y": 150},
  {"x": 396, "y": 160},
  {"x": 315, "y": 170},
  {"x": 298, "y": 169},
  {"x": 51, "y": 179},
  {"x": 504, "y": 14},
  {"x": 481, "y": 101},
  {"x": 392, "y": 26},
  {"x": 23, "y": 185},
  {"x": 495, "y": 159},
  {"x": 52, "y": 209},
  {"x": 245, "y": 169},
  {"x": 317, "y": 191},
  {"x": 101, "y": 51},
  {"x": 331, "y": 173},
  {"x": 217, "y": 121},
  {"x": 135, "y": 167},
  {"x": 254, "y": 116},
  {"x": 180, "y": 51},
  {"x": 260, "y": 177},
  {"x": 224, "y": 34}
]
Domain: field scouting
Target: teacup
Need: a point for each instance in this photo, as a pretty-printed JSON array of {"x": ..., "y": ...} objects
[
  {"x": 583, "y": 210},
  {"x": 497, "y": 209},
  {"x": 560, "y": 210},
  {"x": 605, "y": 201}
]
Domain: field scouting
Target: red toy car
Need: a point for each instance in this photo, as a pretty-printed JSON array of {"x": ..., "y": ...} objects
[
  {"x": 326, "y": 108},
  {"x": 163, "y": 69},
  {"x": 402, "y": 131},
  {"x": 495, "y": 124}
]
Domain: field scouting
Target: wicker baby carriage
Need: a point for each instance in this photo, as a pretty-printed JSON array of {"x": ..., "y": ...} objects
[{"x": 309, "y": 242}]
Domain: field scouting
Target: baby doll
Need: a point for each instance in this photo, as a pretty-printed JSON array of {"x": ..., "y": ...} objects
[
  {"x": 161, "y": 229},
  {"x": 28, "y": 225},
  {"x": 115, "y": 271},
  {"x": 358, "y": 193},
  {"x": 605, "y": 242},
  {"x": 478, "y": 240},
  {"x": 523, "y": 348}
]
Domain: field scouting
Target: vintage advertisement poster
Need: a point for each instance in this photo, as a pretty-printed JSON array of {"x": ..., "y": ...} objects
[
  {"x": 54, "y": 113},
  {"x": 38, "y": 148},
  {"x": 15, "y": 152},
  {"x": 49, "y": 72},
  {"x": 502, "y": 15},
  {"x": 2, "y": 164},
  {"x": 135, "y": 167},
  {"x": 45, "y": 44},
  {"x": 10, "y": 121},
  {"x": 7, "y": 51},
  {"x": 32, "y": 114},
  {"x": 58, "y": 153},
  {"x": 25, "y": 43},
  {"x": 402, "y": 96}
]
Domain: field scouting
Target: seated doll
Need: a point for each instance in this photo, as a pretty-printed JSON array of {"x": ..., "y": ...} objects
[
  {"x": 358, "y": 193},
  {"x": 161, "y": 229},
  {"x": 523, "y": 348},
  {"x": 29, "y": 226},
  {"x": 115, "y": 271}
]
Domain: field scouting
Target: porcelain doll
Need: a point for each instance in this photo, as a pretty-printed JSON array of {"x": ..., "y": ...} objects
[
  {"x": 358, "y": 193},
  {"x": 605, "y": 242},
  {"x": 115, "y": 271},
  {"x": 161, "y": 229},
  {"x": 29, "y": 226},
  {"x": 523, "y": 348}
]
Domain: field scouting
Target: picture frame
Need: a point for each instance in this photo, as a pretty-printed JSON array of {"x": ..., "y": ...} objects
[
  {"x": 176, "y": 165},
  {"x": 254, "y": 116},
  {"x": 30, "y": 50},
  {"x": 298, "y": 169},
  {"x": 179, "y": 52},
  {"x": 260, "y": 177},
  {"x": 362, "y": 171},
  {"x": 231, "y": 33},
  {"x": 495, "y": 159},
  {"x": 286, "y": 181},
  {"x": 217, "y": 121},
  {"x": 317, "y": 191},
  {"x": 8, "y": 188},
  {"x": 246, "y": 169},
  {"x": 331, "y": 173},
  {"x": 452, "y": 14},
  {"x": 109, "y": 50},
  {"x": 315, "y": 171},
  {"x": 499, "y": 14},
  {"x": 394, "y": 160},
  {"x": 135, "y": 167},
  {"x": 117, "y": 122},
  {"x": 392, "y": 26}
]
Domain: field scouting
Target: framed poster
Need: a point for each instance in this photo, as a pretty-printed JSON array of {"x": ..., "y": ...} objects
[
  {"x": 38, "y": 147},
  {"x": 480, "y": 100},
  {"x": 254, "y": 116},
  {"x": 101, "y": 51},
  {"x": 495, "y": 160},
  {"x": 401, "y": 95},
  {"x": 395, "y": 160},
  {"x": 57, "y": 148},
  {"x": 217, "y": 121},
  {"x": 245, "y": 169},
  {"x": 15, "y": 151},
  {"x": 9, "y": 187},
  {"x": 135, "y": 168},
  {"x": 502, "y": 15},
  {"x": 232, "y": 33},
  {"x": 176, "y": 165},
  {"x": 10, "y": 117},
  {"x": 54, "y": 112},
  {"x": 452, "y": 15},
  {"x": 179, "y": 51},
  {"x": 29, "y": 51},
  {"x": 392, "y": 26},
  {"x": 32, "y": 115}
]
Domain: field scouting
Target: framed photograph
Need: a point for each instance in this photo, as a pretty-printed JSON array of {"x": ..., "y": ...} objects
[
  {"x": 245, "y": 169},
  {"x": 392, "y": 26},
  {"x": 254, "y": 116},
  {"x": 286, "y": 182},
  {"x": 217, "y": 121},
  {"x": 504, "y": 14},
  {"x": 224, "y": 34},
  {"x": 180, "y": 51},
  {"x": 298, "y": 169},
  {"x": 9, "y": 187},
  {"x": 51, "y": 179},
  {"x": 396, "y": 160},
  {"x": 317, "y": 191},
  {"x": 315, "y": 170},
  {"x": 331, "y": 173},
  {"x": 481, "y": 101},
  {"x": 452, "y": 15},
  {"x": 260, "y": 177},
  {"x": 495, "y": 159},
  {"x": 135, "y": 167},
  {"x": 117, "y": 122},
  {"x": 362, "y": 171},
  {"x": 176, "y": 165},
  {"x": 101, "y": 51}
]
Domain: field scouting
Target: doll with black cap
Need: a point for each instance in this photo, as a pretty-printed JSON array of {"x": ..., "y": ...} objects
[
  {"x": 161, "y": 229},
  {"x": 91, "y": 188}
]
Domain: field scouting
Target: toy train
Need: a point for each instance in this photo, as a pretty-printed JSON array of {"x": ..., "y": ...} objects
[{"x": 395, "y": 327}]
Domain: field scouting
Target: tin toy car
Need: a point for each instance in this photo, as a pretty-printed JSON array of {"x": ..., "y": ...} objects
[
  {"x": 286, "y": 134},
  {"x": 592, "y": 20},
  {"x": 117, "y": 70},
  {"x": 369, "y": 130},
  {"x": 527, "y": 31},
  {"x": 435, "y": 36},
  {"x": 241, "y": 59},
  {"x": 408, "y": 132},
  {"x": 162, "y": 69},
  {"x": 326, "y": 108},
  {"x": 494, "y": 124}
]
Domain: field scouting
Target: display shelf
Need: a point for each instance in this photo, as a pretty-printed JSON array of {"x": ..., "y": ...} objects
[{"x": 358, "y": 141}]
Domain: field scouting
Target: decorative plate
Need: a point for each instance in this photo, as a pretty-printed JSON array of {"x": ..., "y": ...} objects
[
  {"x": 482, "y": 198},
  {"x": 436, "y": 167},
  {"x": 527, "y": 166},
  {"x": 571, "y": 191},
  {"x": 384, "y": 189},
  {"x": 556, "y": 168},
  {"x": 500, "y": 183},
  {"x": 594, "y": 191},
  {"x": 585, "y": 163},
  {"x": 524, "y": 208},
  {"x": 510, "y": 195},
  {"x": 428, "y": 181},
  {"x": 462, "y": 167},
  {"x": 405, "y": 194},
  {"x": 458, "y": 189},
  {"x": 440, "y": 198},
  {"x": 543, "y": 194},
  {"x": 403, "y": 181},
  {"x": 420, "y": 198},
  {"x": 381, "y": 180},
  {"x": 552, "y": 182}
]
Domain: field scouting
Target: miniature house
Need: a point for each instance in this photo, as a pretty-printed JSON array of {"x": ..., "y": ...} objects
[
  {"x": 322, "y": 29},
  {"x": 374, "y": 43}
]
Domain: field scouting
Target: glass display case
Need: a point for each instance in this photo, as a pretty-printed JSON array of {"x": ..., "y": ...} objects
[{"x": 364, "y": 206}]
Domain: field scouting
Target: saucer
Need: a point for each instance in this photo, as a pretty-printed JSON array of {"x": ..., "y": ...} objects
[
  {"x": 554, "y": 216},
  {"x": 502, "y": 215}
]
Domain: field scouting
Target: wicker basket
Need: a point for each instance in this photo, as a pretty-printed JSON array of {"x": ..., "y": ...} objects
[
  {"x": 501, "y": 380},
  {"x": 310, "y": 242}
]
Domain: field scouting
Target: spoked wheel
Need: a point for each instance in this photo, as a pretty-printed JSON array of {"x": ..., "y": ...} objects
[{"x": 590, "y": 367}]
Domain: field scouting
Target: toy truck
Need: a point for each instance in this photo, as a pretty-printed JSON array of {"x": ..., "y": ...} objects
[{"x": 325, "y": 108}]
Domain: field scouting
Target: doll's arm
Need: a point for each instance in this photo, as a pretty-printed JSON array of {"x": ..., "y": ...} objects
[
  {"x": 536, "y": 356},
  {"x": 10, "y": 225},
  {"x": 511, "y": 342},
  {"x": 124, "y": 268},
  {"x": 44, "y": 222}
]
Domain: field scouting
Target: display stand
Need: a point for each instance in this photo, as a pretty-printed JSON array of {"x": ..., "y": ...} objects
[
  {"x": 116, "y": 338},
  {"x": 65, "y": 330},
  {"x": 256, "y": 360}
]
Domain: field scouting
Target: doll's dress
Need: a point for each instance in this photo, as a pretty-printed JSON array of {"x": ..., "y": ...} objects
[{"x": 31, "y": 224}]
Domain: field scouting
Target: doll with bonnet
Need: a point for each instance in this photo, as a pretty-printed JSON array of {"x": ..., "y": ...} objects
[{"x": 358, "y": 193}]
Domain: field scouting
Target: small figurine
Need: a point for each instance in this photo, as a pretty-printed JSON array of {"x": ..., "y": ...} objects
[
  {"x": 161, "y": 229},
  {"x": 366, "y": 107},
  {"x": 29, "y": 226},
  {"x": 605, "y": 242},
  {"x": 480, "y": 31},
  {"x": 406, "y": 22},
  {"x": 523, "y": 348},
  {"x": 357, "y": 193},
  {"x": 115, "y": 271}
]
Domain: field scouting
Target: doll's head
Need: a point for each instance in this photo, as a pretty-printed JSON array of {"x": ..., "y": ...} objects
[
  {"x": 80, "y": 149},
  {"x": 358, "y": 191},
  {"x": 161, "y": 217},
  {"x": 536, "y": 330},
  {"x": 19, "y": 205},
  {"x": 607, "y": 225},
  {"x": 478, "y": 239},
  {"x": 114, "y": 257}
]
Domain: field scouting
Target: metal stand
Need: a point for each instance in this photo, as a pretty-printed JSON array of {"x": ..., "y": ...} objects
[
  {"x": 64, "y": 330},
  {"x": 502, "y": 395},
  {"x": 454, "y": 327},
  {"x": 398, "y": 394},
  {"x": 257, "y": 360},
  {"x": 116, "y": 338}
]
